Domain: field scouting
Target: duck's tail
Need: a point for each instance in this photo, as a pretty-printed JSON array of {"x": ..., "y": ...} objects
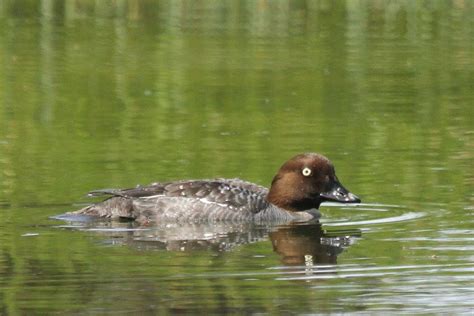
[{"x": 113, "y": 207}]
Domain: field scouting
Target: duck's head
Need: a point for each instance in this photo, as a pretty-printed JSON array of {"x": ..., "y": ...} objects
[{"x": 305, "y": 181}]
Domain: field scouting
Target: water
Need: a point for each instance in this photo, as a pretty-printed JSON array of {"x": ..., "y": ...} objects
[{"x": 97, "y": 94}]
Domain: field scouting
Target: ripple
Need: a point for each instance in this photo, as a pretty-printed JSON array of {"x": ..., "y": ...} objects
[
  {"x": 400, "y": 218},
  {"x": 423, "y": 288},
  {"x": 370, "y": 215},
  {"x": 350, "y": 271},
  {"x": 363, "y": 206}
]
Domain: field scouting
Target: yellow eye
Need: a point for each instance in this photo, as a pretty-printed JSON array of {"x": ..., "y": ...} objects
[{"x": 306, "y": 172}]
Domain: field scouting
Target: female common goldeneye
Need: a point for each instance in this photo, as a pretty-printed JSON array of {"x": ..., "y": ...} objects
[{"x": 300, "y": 186}]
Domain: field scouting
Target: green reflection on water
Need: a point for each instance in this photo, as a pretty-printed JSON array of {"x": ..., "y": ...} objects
[{"x": 113, "y": 93}]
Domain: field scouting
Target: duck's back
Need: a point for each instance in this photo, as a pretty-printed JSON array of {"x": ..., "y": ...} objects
[{"x": 189, "y": 200}]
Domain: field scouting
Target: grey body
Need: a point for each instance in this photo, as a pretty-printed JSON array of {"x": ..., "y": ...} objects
[{"x": 231, "y": 200}]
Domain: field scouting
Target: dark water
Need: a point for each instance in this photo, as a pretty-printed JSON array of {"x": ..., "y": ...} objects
[{"x": 98, "y": 94}]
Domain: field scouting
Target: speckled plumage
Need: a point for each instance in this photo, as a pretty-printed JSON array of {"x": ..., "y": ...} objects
[{"x": 191, "y": 200}]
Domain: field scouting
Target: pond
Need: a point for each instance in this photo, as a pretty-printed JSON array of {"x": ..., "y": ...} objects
[{"x": 111, "y": 94}]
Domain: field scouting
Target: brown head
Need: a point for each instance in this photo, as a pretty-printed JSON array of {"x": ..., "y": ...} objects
[{"x": 305, "y": 181}]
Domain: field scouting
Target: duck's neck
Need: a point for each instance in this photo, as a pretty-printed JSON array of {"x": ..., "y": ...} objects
[{"x": 289, "y": 203}]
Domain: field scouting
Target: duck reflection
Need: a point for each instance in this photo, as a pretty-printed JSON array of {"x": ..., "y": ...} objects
[
  {"x": 297, "y": 243},
  {"x": 309, "y": 244}
]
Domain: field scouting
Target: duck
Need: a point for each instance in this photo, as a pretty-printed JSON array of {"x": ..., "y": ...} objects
[{"x": 297, "y": 190}]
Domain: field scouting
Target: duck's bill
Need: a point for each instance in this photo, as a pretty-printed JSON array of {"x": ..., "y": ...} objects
[{"x": 340, "y": 194}]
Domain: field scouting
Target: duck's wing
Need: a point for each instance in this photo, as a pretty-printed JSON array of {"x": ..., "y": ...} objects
[
  {"x": 139, "y": 191},
  {"x": 225, "y": 194},
  {"x": 227, "y": 189},
  {"x": 233, "y": 193}
]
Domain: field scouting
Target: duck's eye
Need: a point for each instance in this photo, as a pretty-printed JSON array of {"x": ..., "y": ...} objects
[{"x": 306, "y": 172}]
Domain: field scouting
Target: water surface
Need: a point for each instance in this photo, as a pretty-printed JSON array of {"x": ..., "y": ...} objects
[{"x": 99, "y": 94}]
